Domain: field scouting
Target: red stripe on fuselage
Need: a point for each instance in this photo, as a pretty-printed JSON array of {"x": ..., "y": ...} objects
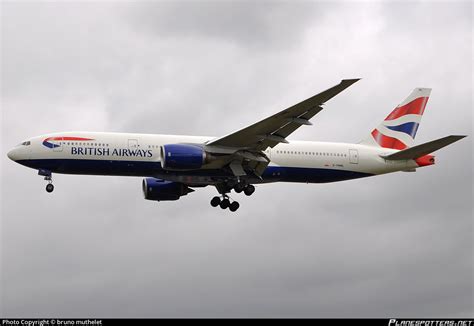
[
  {"x": 386, "y": 141},
  {"x": 67, "y": 138},
  {"x": 417, "y": 106}
]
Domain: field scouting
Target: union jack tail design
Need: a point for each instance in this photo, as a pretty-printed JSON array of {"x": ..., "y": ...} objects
[{"x": 398, "y": 130}]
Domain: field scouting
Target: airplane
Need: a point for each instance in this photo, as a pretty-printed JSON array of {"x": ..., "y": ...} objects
[{"x": 173, "y": 165}]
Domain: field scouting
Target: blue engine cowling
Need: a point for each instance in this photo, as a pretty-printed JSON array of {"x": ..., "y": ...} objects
[
  {"x": 182, "y": 157},
  {"x": 157, "y": 189}
]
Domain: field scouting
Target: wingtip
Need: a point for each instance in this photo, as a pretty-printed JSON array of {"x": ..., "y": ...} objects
[
  {"x": 351, "y": 81},
  {"x": 455, "y": 138}
]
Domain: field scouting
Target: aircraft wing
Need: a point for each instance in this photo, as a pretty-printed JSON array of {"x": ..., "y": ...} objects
[{"x": 274, "y": 129}]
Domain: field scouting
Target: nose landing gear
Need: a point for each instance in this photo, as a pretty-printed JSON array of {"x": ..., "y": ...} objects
[
  {"x": 48, "y": 177},
  {"x": 49, "y": 186}
]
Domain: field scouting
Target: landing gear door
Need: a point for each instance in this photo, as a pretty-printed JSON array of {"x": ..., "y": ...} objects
[{"x": 353, "y": 156}]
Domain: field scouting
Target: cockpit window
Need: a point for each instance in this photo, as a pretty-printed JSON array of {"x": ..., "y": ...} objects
[{"x": 26, "y": 143}]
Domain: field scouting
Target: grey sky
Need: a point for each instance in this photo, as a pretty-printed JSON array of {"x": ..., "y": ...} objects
[{"x": 394, "y": 245}]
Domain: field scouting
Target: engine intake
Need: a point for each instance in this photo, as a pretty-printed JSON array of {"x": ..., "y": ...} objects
[
  {"x": 182, "y": 157},
  {"x": 157, "y": 189}
]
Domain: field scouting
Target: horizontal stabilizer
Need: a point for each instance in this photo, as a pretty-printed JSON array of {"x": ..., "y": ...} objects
[{"x": 423, "y": 149}]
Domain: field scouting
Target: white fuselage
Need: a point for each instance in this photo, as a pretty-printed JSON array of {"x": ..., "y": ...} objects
[{"x": 102, "y": 153}]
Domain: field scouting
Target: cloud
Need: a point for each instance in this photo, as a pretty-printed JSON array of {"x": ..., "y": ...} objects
[
  {"x": 259, "y": 26},
  {"x": 398, "y": 244}
]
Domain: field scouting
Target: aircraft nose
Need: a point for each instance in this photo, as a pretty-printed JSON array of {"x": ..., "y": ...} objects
[{"x": 13, "y": 154}]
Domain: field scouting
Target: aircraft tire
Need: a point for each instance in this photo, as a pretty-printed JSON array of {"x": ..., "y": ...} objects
[
  {"x": 239, "y": 188},
  {"x": 215, "y": 201},
  {"x": 234, "y": 206},
  {"x": 249, "y": 190},
  {"x": 49, "y": 187},
  {"x": 224, "y": 203}
]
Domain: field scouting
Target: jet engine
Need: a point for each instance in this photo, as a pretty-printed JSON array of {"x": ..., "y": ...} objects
[
  {"x": 182, "y": 157},
  {"x": 157, "y": 189}
]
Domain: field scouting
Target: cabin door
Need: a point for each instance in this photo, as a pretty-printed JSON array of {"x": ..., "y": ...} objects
[{"x": 353, "y": 156}]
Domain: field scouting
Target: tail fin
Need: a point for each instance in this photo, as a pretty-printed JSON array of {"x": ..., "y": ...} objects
[{"x": 398, "y": 130}]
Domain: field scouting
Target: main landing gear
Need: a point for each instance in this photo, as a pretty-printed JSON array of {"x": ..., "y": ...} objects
[
  {"x": 224, "y": 202},
  {"x": 247, "y": 189}
]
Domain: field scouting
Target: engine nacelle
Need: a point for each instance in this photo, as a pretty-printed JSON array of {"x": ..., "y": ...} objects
[
  {"x": 182, "y": 157},
  {"x": 157, "y": 189}
]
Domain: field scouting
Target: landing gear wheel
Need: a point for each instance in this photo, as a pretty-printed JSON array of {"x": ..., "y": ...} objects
[
  {"x": 249, "y": 190},
  {"x": 234, "y": 206},
  {"x": 224, "y": 203},
  {"x": 49, "y": 187},
  {"x": 239, "y": 188},
  {"x": 215, "y": 201}
]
